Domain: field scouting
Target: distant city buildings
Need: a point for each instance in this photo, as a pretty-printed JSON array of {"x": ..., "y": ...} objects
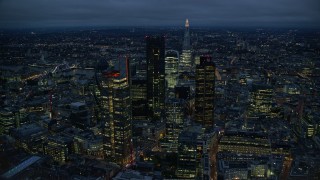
[{"x": 110, "y": 104}]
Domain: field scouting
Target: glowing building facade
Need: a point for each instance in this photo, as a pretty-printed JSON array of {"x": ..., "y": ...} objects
[
  {"x": 204, "y": 94},
  {"x": 11, "y": 118},
  {"x": 261, "y": 100},
  {"x": 118, "y": 118},
  {"x": 58, "y": 147},
  {"x": 171, "y": 68},
  {"x": 7, "y": 121},
  {"x": 185, "y": 64},
  {"x": 174, "y": 125},
  {"x": 308, "y": 127},
  {"x": 245, "y": 143}
]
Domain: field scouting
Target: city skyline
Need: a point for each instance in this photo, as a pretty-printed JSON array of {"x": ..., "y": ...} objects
[
  {"x": 160, "y": 103},
  {"x": 40, "y": 14}
]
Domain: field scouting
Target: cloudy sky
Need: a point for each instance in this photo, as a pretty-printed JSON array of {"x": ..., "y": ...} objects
[{"x": 57, "y": 13}]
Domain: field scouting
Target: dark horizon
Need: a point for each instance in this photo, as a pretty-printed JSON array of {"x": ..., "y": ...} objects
[
  {"x": 162, "y": 27},
  {"x": 175, "y": 98},
  {"x": 18, "y": 14}
]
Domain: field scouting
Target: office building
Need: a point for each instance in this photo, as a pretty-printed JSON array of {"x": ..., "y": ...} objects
[
  {"x": 261, "y": 100},
  {"x": 118, "y": 119},
  {"x": 171, "y": 68},
  {"x": 187, "y": 155},
  {"x": 174, "y": 124},
  {"x": 79, "y": 115},
  {"x": 58, "y": 147},
  {"x": 12, "y": 117},
  {"x": 30, "y": 137},
  {"x": 139, "y": 101},
  {"x": 7, "y": 121},
  {"x": 245, "y": 143},
  {"x": 155, "y": 49},
  {"x": 308, "y": 127},
  {"x": 204, "y": 94}
]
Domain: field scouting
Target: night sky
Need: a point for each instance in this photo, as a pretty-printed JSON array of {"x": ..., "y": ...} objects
[{"x": 57, "y": 13}]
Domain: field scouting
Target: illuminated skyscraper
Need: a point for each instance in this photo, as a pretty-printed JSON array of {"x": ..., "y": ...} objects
[
  {"x": 186, "y": 42},
  {"x": 155, "y": 50},
  {"x": 171, "y": 68},
  {"x": 204, "y": 95},
  {"x": 118, "y": 124},
  {"x": 174, "y": 124},
  {"x": 185, "y": 62}
]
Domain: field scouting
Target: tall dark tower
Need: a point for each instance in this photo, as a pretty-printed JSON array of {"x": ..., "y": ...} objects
[
  {"x": 204, "y": 97},
  {"x": 155, "y": 76}
]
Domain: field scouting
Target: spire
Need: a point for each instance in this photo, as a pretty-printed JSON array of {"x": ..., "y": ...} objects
[
  {"x": 186, "y": 42},
  {"x": 187, "y": 23}
]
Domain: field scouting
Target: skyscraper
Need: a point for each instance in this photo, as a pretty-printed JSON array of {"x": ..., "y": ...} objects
[
  {"x": 185, "y": 62},
  {"x": 138, "y": 90},
  {"x": 204, "y": 95},
  {"x": 155, "y": 49},
  {"x": 118, "y": 123},
  {"x": 171, "y": 68},
  {"x": 186, "y": 42},
  {"x": 187, "y": 164},
  {"x": 174, "y": 123}
]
